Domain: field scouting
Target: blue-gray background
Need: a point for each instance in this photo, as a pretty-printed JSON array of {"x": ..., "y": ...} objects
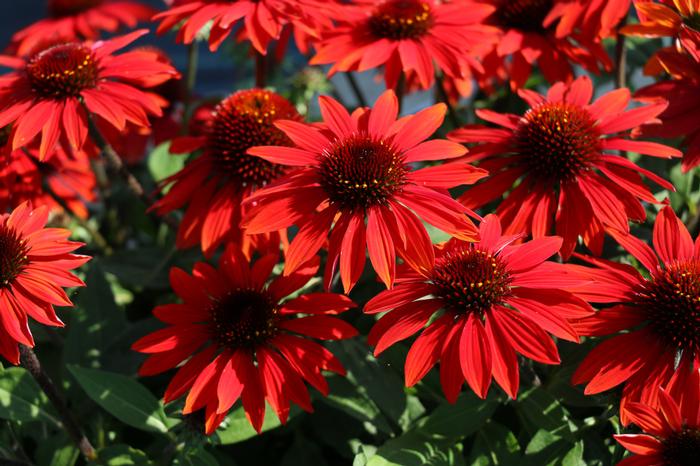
[{"x": 218, "y": 73}]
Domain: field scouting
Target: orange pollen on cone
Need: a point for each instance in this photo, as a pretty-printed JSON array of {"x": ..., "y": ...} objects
[
  {"x": 401, "y": 19},
  {"x": 61, "y": 8},
  {"x": 526, "y": 15},
  {"x": 671, "y": 300},
  {"x": 557, "y": 141},
  {"x": 361, "y": 171},
  {"x": 13, "y": 255},
  {"x": 470, "y": 280},
  {"x": 62, "y": 71},
  {"x": 244, "y": 318},
  {"x": 244, "y": 120}
]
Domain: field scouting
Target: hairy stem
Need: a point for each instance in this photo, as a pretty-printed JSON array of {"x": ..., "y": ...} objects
[
  {"x": 97, "y": 237},
  {"x": 192, "y": 62},
  {"x": 361, "y": 100},
  {"x": 401, "y": 90},
  {"x": 115, "y": 163},
  {"x": 620, "y": 60},
  {"x": 31, "y": 363},
  {"x": 260, "y": 70},
  {"x": 445, "y": 98}
]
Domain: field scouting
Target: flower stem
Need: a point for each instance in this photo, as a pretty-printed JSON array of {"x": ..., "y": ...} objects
[
  {"x": 97, "y": 237},
  {"x": 445, "y": 98},
  {"x": 401, "y": 90},
  {"x": 31, "y": 363},
  {"x": 361, "y": 101},
  {"x": 260, "y": 70},
  {"x": 620, "y": 59},
  {"x": 192, "y": 63},
  {"x": 115, "y": 163},
  {"x": 191, "y": 77},
  {"x": 693, "y": 223}
]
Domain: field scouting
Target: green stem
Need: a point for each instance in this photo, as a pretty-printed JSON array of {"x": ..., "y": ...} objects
[
  {"x": 445, "y": 98},
  {"x": 361, "y": 101},
  {"x": 115, "y": 162},
  {"x": 620, "y": 60},
  {"x": 31, "y": 363},
  {"x": 400, "y": 91},
  {"x": 260, "y": 70}
]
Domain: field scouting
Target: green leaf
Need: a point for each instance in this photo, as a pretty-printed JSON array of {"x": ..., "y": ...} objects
[
  {"x": 575, "y": 456},
  {"x": 352, "y": 400},
  {"x": 21, "y": 399},
  {"x": 65, "y": 456},
  {"x": 162, "y": 164},
  {"x": 461, "y": 419},
  {"x": 304, "y": 452},
  {"x": 546, "y": 449},
  {"x": 432, "y": 442},
  {"x": 495, "y": 445},
  {"x": 377, "y": 381},
  {"x": 196, "y": 457},
  {"x": 414, "y": 449},
  {"x": 96, "y": 321},
  {"x": 540, "y": 410},
  {"x": 122, "y": 455},
  {"x": 123, "y": 397},
  {"x": 236, "y": 427}
]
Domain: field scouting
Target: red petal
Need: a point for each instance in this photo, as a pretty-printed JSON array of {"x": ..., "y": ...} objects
[
  {"x": 527, "y": 255},
  {"x": 397, "y": 297},
  {"x": 526, "y": 337},
  {"x": 321, "y": 327},
  {"x": 671, "y": 238},
  {"x": 352, "y": 252},
  {"x": 420, "y": 127},
  {"x": 435, "y": 149},
  {"x": 380, "y": 247},
  {"x": 318, "y": 303},
  {"x": 309, "y": 239},
  {"x": 306, "y": 137},
  {"x": 504, "y": 360},
  {"x": 230, "y": 386},
  {"x": 383, "y": 114},
  {"x": 336, "y": 117},
  {"x": 401, "y": 323},
  {"x": 475, "y": 356},
  {"x": 281, "y": 155},
  {"x": 640, "y": 444},
  {"x": 426, "y": 350}
]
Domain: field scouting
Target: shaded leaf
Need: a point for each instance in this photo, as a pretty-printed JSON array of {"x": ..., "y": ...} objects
[
  {"x": 21, "y": 398},
  {"x": 123, "y": 397}
]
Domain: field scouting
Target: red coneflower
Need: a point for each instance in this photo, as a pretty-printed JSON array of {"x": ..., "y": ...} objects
[
  {"x": 671, "y": 431},
  {"x": 57, "y": 181},
  {"x": 562, "y": 153},
  {"x": 262, "y": 21},
  {"x": 132, "y": 144},
  {"x": 485, "y": 301},
  {"x": 213, "y": 185},
  {"x": 241, "y": 338},
  {"x": 680, "y": 119},
  {"x": 79, "y": 20},
  {"x": 413, "y": 37},
  {"x": 530, "y": 36},
  {"x": 360, "y": 168},
  {"x": 35, "y": 264},
  {"x": 665, "y": 18},
  {"x": 594, "y": 18},
  {"x": 661, "y": 314},
  {"x": 50, "y": 91}
]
